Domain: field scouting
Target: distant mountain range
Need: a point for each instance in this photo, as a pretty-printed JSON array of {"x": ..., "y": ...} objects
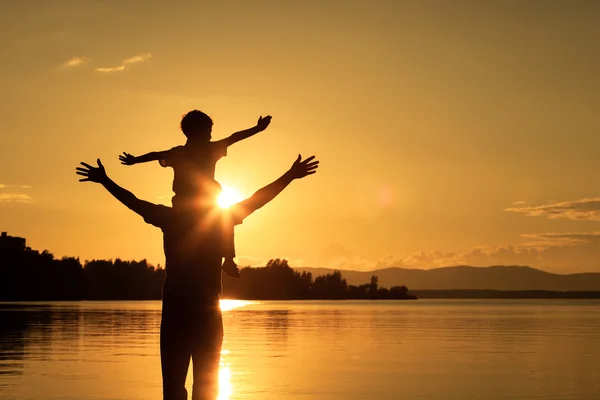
[{"x": 506, "y": 278}]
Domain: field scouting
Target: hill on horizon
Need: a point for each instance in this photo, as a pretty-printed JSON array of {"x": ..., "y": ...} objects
[{"x": 498, "y": 277}]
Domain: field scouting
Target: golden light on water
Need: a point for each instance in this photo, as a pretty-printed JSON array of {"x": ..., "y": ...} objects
[
  {"x": 228, "y": 197},
  {"x": 227, "y": 305},
  {"x": 225, "y": 387}
]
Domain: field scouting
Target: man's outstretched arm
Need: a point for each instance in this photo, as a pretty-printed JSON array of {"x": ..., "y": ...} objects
[
  {"x": 98, "y": 175},
  {"x": 299, "y": 169}
]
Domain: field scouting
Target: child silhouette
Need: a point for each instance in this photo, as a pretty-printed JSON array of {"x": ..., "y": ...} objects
[{"x": 194, "y": 165}]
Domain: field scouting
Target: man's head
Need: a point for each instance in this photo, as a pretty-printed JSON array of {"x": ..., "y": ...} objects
[{"x": 197, "y": 126}]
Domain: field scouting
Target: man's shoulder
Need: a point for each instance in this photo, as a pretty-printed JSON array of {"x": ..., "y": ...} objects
[
  {"x": 238, "y": 212},
  {"x": 155, "y": 214},
  {"x": 158, "y": 207}
]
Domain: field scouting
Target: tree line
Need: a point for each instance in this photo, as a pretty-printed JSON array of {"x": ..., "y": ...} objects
[{"x": 33, "y": 276}]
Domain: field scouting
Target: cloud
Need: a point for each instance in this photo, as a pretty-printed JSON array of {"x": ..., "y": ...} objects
[
  {"x": 137, "y": 59},
  {"x": 128, "y": 61},
  {"x": 562, "y": 252},
  {"x": 561, "y": 239},
  {"x": 4, "y": 186},
  {"x": 337, "y": 256},
  {"x": 585, "y": 209},
  {"x": 14, "y": 198},
  {"x": 244, "y": 261},
  {"x": 111, "y": 69},
  {"x": 74, "y": 62},
  {"x": 249, "y": 261}
]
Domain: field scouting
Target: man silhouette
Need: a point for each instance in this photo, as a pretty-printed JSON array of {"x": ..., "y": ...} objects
[{"x": 191, "y": 324}]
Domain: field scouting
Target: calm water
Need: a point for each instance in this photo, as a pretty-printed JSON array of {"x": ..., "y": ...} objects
[{"x": 426, "y": 349}]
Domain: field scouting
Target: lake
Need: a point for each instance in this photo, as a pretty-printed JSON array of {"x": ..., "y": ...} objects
[{"x": 423, "y": 350}]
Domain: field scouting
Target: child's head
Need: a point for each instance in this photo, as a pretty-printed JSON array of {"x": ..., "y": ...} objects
[{"x": 196, "y": 125}]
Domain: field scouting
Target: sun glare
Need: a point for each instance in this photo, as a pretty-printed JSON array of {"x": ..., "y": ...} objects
[
  {"x": 230, "y": 304},
  {"x": 228, "y": 197},
  {"x": 225, "y": 387}
]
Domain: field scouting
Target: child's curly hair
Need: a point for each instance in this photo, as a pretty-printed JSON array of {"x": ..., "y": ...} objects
[{"x": 194, "y": 122}]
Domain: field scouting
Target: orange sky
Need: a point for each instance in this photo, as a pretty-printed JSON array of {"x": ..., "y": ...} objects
[{"x": 431, "y": 120}]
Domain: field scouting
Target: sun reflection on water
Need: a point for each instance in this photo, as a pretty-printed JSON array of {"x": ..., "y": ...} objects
[
  {"x": 225, "y": 386},
  {"x": 227, "y": 305}
]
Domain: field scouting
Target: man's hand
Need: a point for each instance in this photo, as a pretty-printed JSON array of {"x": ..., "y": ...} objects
[
  {"x": 92, "y": 174},
  {"x": 127, "y": 159},
  {"x": 263, "y": 122},
  {"x": 300, "y": 168}
]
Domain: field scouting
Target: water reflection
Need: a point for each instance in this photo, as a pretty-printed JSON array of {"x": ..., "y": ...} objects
[
  {"x": 228, "y": 305},
  {"x": 316, "y": 350},
  {"x": 225, "y": 388}
]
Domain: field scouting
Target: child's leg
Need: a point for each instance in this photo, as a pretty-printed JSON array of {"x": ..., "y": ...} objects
[
  {"x": 230, "y": 268},
  {"x": 229, "y": 265}
]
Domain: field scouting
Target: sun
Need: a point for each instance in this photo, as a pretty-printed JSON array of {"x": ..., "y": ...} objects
[{"x": 228, "y": 197}]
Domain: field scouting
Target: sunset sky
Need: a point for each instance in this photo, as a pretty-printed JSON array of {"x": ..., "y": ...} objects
[{"x": 448, "y": 132}]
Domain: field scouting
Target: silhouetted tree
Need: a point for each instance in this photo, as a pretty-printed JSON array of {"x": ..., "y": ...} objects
[
  {"x": 29, "y": 275},
  {"x": 373, "y": 286},
  {"x": 399, "y": 291},
  {"x": 330, "y": 286}
]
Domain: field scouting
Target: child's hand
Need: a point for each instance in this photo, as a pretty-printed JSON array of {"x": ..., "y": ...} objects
[
  {"x": 127, "y": 159},
  {"x": 263, "y": 122}
]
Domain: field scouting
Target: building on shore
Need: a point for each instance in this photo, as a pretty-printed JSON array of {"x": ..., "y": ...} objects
[{"x": 12, "y": 243}]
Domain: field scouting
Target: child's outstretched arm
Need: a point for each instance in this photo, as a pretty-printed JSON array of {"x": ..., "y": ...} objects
[
  {"x": 261, "y": 125},
  {"x": 128, "y": 159}
]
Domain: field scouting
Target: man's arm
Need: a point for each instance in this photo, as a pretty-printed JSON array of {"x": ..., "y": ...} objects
[
  {"x": 128, "y": 159},
  {"x": 299, "y": 170},
  {"x": 261, "y": 125},
  {"x": 98, "y": 175}
]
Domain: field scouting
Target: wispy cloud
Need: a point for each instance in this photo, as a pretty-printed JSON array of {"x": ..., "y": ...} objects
[
  {"x": 137, "y": 59},
  {"x": 560, "y": 252},
  {"x": 14, "y": 198},
  {"x": 584, "y": 209},
  {"x": 128, "y": 61},
  {"x": 74, "y": 62},
  {"x": 563, "y": 252},
  {"x": 561, "y": 238},
  {"x": 249, "y": 261},
  {"x": 111, "y": 69},
  {"x": 4, "y": 186}
]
